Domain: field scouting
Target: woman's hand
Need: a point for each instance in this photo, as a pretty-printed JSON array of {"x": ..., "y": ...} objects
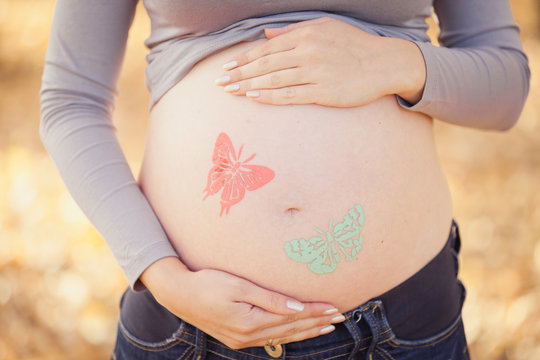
[
  {"x": 233, "y": 310},
  {"x": 327, "y": 62}
]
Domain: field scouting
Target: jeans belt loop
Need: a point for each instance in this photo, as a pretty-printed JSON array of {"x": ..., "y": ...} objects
[
  {"x": 200, "y": 345},
  {"x": 369, "y": 317},
  {"x": 352, "y": 325}
]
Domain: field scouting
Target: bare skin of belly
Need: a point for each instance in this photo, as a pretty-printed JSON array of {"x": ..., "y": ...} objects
[{"x": 326, "y": 164}]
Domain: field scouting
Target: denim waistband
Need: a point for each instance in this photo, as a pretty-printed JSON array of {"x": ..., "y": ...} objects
[
  {"x": 425, "y": 304},
  {"x": 427, "y": 301}
]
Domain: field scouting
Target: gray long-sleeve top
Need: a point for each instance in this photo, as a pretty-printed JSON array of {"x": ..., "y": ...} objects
[{"x": 479, "y": 77}]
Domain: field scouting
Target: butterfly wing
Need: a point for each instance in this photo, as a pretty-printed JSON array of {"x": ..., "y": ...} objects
[
  {"x": 232, "y": 176},
  {"x": 324, "y": 264},
  {"x": 314, "y": 252},
  {"x": 233, "y": 192},
  {"x": 224, "y": 159},
  {"x": 254, "y": 176},
  {"x": 224, "y": 151},
  {"x": 248, "y": 177},
  {"x": 304, "y": 250},
  {"x": 217, "y": 178},
  {"x": 347, "y": 233}
]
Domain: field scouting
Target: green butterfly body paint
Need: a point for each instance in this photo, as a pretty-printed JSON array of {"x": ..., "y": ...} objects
[{"x": 323, "y": 253}]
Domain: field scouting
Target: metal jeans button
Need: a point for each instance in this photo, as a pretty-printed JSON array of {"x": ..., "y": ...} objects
[{"x": 274, "y": 351}]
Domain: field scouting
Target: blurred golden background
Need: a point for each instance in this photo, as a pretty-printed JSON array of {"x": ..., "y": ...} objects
[{"x": 60, "y": 286}]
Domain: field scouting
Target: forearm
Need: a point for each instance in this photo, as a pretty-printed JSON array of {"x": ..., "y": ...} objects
[
  {"x": 483, "y": 87},
  {"x": 88, "y": 157},
  {"x": 479, "y": 76}
]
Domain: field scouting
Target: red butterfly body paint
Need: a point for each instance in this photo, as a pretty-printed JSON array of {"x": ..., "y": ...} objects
[{"x": 233, "y": 175}]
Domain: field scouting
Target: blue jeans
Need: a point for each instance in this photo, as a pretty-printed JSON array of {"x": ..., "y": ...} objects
[{"x": 419, "y": 319}]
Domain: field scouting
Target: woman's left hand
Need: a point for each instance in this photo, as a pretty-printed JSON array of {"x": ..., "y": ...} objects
[{"x": 327, "y": 62}]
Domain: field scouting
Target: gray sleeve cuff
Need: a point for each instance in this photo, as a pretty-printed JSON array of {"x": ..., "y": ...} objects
[
  {"x": 425, "y": 104},
  {"x": 150, "y": 254}
]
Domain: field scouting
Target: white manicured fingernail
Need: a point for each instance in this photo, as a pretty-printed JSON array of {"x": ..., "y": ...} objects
[
  {"x": 327, "y": 329},
  {"x": 230, "y": 65},
  {"x": 330, "y": 311},
  {"x": 223, "y": 80},
  {"x": 253, "y": 93},
  {"x": 232, "y": 87},
  {"x": 337, "y": 319},
  {"x": 294, "y": 305}
]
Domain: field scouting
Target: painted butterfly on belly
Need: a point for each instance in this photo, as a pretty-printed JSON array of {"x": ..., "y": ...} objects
[
  {"x": 232, "y": 175},
  {"x": 323, "y": 253}
]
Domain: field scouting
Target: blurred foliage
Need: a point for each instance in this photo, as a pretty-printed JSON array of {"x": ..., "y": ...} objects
[{"x": 60, "y": 286}]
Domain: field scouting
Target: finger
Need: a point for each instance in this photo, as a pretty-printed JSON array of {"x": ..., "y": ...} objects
[
  {"x": 255, "y": 334},
  {"x": 264, "y": 65},
  {"x": 273, "y": 32},
  {"x": 288, "y": 330},
  {"x": 303, "y": 335},
  {"x": 271, "y": 301},
  {"x": 300, "y": 94},
  {"x": 276, "y": 303},
  {"x": 274, "y": 80},
  {"x": 273, "y": 46},
  {"x": 301, "y": 325},
  {"x": 300, "y": 329},
  {"x": 312, "y": 311}
]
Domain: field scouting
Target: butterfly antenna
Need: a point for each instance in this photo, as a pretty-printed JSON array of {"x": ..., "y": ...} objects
[
  {"x": 249, "y": 158},
  {"x": 240, "y": 152}
]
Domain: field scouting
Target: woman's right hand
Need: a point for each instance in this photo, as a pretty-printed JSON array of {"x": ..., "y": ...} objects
[{"x": 234, "y": 310}]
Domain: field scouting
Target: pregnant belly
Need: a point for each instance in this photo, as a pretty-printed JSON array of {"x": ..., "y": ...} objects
[{"x": 319, "y": 203}]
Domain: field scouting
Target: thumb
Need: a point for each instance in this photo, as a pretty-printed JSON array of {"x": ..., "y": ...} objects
[
  {"x": 272, "y": 301},
  {"x": 273, "y": 32}
]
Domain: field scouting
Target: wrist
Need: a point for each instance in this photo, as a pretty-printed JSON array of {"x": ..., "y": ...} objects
[
  {"x": 410, "y": 72},
  {"x": 158, "y": 276}
]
